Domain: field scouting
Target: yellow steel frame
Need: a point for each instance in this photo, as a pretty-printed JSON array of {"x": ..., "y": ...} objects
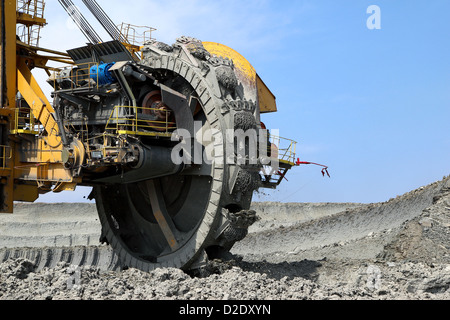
[
  {"x": 30, "y": 17},
  {"x": 9, "y": 95},
  {"x": 29, "y": 158},
  {"x": 24, "y": 122},
  {"x": 40, "y": 106}
]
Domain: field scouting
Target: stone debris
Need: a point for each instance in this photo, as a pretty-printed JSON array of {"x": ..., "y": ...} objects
[
  {"x": 68, "y": 282},
  {"x": 387, "y": 253}
]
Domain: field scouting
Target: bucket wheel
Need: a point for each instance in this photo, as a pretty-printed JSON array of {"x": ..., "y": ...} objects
[{"x": 186, "y": 219}]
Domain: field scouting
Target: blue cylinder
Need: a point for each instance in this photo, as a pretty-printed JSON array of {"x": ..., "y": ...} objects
[{"x": 101, "y": 74}]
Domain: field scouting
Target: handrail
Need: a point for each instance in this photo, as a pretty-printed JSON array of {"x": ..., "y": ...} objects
[
  {"x": 285, "y": 148},
  {"x": 78, "y": 75},
  {"x": 122, "y": 121},
  {"x": 24, "y": 121}
]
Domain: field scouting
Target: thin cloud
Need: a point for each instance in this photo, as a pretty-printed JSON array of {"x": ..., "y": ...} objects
[{"x": 251, "y": 27}]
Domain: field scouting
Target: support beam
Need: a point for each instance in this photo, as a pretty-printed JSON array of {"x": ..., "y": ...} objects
[
  {"x": 39, "y": 104},
  {"x": 160, "y": 213},
  {"x": 7, "y": 100}
]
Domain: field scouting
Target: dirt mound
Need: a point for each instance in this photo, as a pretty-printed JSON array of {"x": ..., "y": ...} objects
[
  {"x": 373, "y": 225},
  {"x": 425, "y": 238}
]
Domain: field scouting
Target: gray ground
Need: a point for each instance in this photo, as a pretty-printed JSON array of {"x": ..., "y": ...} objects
[{"x": 399, "y": 249}]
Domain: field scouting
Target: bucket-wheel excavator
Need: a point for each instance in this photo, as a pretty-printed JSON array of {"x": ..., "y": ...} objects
[{"x": 168, "y": 136}]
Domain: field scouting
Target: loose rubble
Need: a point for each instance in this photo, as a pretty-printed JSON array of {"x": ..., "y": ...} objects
[
  {"x": 409, "y": 259},
  {"x": 366, "y": 281}
]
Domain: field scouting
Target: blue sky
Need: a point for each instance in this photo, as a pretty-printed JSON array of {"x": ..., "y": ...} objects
[{"x": 373, "y": 105}]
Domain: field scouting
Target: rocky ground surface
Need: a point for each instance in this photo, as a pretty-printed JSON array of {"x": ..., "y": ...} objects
[{"x": 398, "y": 249}]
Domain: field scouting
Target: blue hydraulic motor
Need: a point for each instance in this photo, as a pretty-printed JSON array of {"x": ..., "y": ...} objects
[{"x": 101, "y": 74}]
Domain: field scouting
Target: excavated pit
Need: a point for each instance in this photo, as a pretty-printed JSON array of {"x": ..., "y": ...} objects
[{"x": 398, "y": 249}]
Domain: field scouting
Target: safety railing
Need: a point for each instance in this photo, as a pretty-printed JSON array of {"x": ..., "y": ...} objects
[
  {"x": 24, "y": 122},
  {"x": 136, "y": 35},
  {"x": 138, "y": 121},
  {"x": 30, "y": 34},
  {"x": 83, "y": 75},
  {"x": 283, "y": 149},
  {"x": 32, "y": 7}
]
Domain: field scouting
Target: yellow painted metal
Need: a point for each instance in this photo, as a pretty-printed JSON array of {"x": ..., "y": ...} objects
[
  {"x": 26, "y": 192},
  {"x": 41, "y": 160},
  {"x": 78, "y": 75},
  {"x": 8, "y": 67},
  {"x": 246, "y": 73},
  {"x": 283, "y": 149},
  {"x": 133, "y": 125},
  {"x": 241, "y": 64},
  {"x": 31, "y": 82},
  {"x": 28, "y": 154},
  {"x": 38, "y": 162},
  {"x": 40, "y": 106},
  {"x": 39, "y": 151},
  {"x": 42, "y": 173},
  {"x": 38, "y": 60},
  {"x": 60, "y": 54},
  {"x": 267, "y": 100},
  {"x": 24, "y": 122},
  {"x": 143, "y": 133},
  {"x": 28, "y": 19},
  {"x": 135, "y": 37},
  {"x": 65, "y": 186},
  {"x": 10, "y": 52}
]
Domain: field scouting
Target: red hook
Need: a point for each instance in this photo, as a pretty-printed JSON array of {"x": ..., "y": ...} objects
[{"x": 324, "y": 170}]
